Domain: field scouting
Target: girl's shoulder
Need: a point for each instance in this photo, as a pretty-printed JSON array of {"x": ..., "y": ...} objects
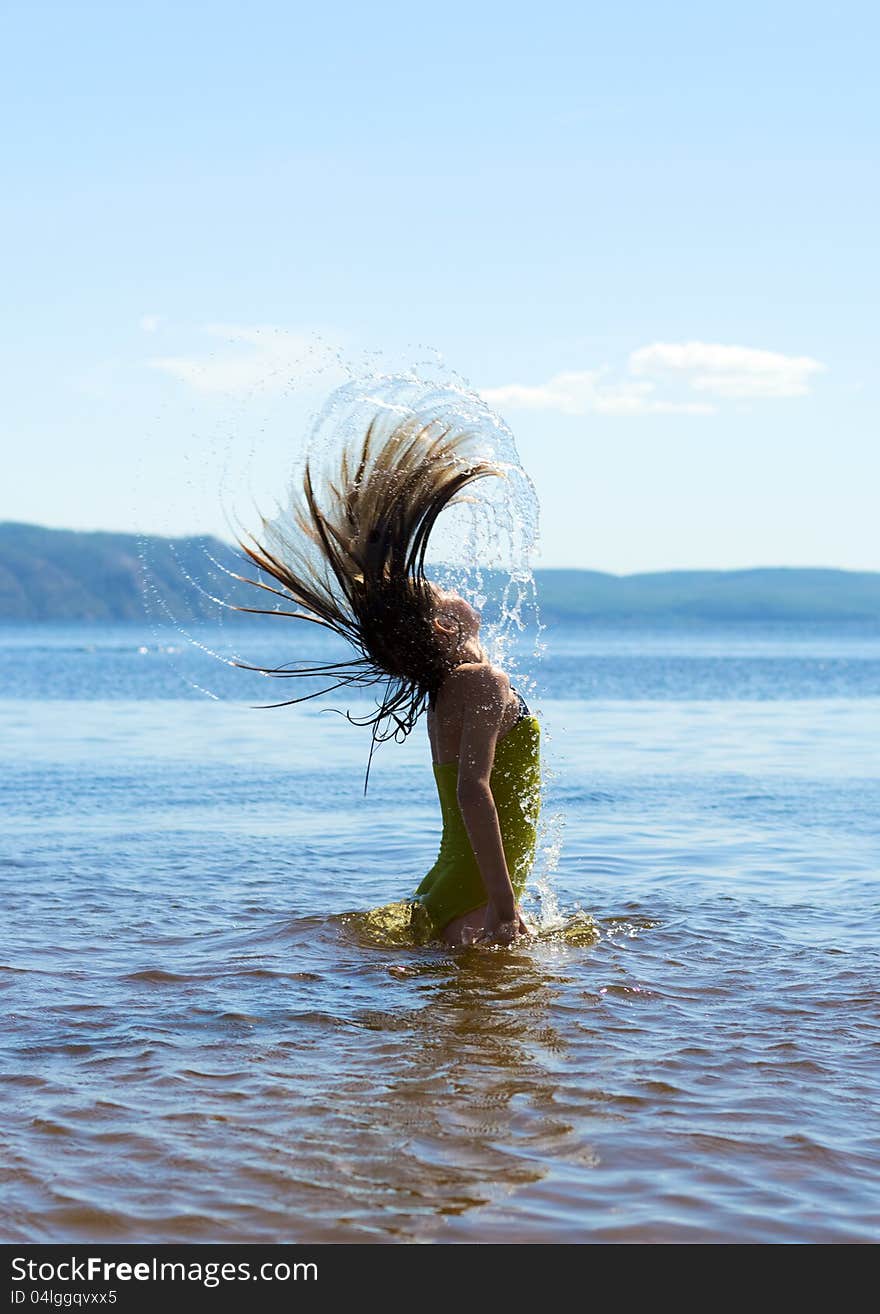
[{"x": 473, "y": 679}]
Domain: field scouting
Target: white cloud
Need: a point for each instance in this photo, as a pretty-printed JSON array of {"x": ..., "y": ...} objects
[
  {"x": 276, "y": 356},
  {"x": 728, "y": 371},
  {"x": 150, "y": 323},
  {"x": 581, "y": 392},
  {"x": 711, "y": 369}
]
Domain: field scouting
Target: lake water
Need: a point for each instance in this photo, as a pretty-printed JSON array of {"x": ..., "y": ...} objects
[{"x": 204, "y": 1042}]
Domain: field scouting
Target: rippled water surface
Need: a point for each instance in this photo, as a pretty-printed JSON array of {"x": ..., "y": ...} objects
[{"x": 204, "y": 1041}]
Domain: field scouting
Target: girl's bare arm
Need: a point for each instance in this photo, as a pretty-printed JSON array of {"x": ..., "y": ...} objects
[{"x": 484, "y": 693}]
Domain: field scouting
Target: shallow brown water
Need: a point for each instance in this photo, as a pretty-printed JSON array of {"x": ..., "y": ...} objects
[{"x": 202, "y": 1042}]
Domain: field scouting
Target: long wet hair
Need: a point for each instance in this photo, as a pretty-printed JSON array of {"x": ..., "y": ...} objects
[{"x": 357, "y": 565}]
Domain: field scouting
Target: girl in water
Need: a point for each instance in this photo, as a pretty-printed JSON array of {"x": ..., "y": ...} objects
[{"x": 356, "y": 566}]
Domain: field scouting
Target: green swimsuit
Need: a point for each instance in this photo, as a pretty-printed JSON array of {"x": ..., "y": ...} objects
[{"x": 454, "y": 885}]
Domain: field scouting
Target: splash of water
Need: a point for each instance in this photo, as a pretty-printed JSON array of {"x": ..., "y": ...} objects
[
  {"x": 392, "y": 927},
  {"x": 482, "y": 546}
]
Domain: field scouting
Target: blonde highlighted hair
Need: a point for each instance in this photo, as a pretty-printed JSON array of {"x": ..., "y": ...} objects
[{"x": 354, "y": 563}]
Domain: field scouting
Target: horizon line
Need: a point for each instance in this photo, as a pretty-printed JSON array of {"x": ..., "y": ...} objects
[{"x": 537, "y": 566}]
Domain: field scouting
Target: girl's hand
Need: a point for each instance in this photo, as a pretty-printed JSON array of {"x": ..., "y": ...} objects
[{"x": 499, "y": 931}]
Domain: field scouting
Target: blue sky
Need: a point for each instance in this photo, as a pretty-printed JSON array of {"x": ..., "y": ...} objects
[{"x": 645, "y": 233}]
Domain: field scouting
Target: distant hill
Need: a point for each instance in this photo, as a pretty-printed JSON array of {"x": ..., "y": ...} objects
[
  {"x": 766, "y": 593},
  {"x": 64, "y": 574},
  {"x": 68, "y": 575}
]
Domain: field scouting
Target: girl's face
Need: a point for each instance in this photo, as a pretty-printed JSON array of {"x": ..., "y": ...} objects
[{"x": 455, "y": 620}]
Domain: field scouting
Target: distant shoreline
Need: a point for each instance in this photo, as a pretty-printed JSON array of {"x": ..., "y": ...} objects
[{"x": 61, "y": 575}]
